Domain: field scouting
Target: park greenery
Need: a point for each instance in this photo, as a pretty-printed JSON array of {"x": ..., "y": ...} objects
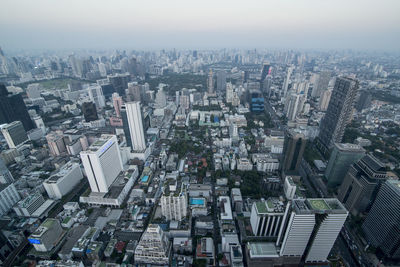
[{"x": 176, "y": 82}]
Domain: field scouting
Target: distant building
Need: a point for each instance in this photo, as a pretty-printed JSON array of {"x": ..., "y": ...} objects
[
  {"x": 46, "y": 236},
  {"x": 56, "y": 143},
  {"x": 153, "y": 248},
  {"x": 61, "y": 183},
  {"x": 29, "y": 206},
  {"x": 339, "y": 112},
  {"x": 12, "y": 108},
  {"x": 221, "y": 80},
  {"x": 210, "y": 82},
  {"x": 89, "y": 111},
  {"x": 381, "y": 227},
  {"x": 313, "y": 227},
  {"x": 256, "y": 101},
  {"x": 14, "y": 133},
  {"x": 342, "y": 156}
]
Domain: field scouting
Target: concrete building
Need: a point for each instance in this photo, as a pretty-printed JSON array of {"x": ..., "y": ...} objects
[
  {"x": 342, "y": 156},
  {"x": 339, "y": 112},
  {"x": 46, "y": 236},
  {"x": 294, "y": 146},
  {"x": 29, "y": 205},
  {"x": 174, "y": 203},
  {"x": 381, "y": 227},
  {"x": 153, "y": 248},
  {"x": 267, "y": 217},
  {"x": 221, "y": 80},
  {"x": 135, "y": 123},
  {"x": 61, "y": 183},
  {"x": 360, "y": 186},
  {"x": 5, "y": 175},
  {"x": 14, "y": 133},
  {"x": 205, "y": 250},
  {"x": 289, "y": 187},
  {"x": 56, "y": 143},
  {"x": 8, "y": 197},
  {"x": 313, "y": 227},
  {"x": 89, "y": 111},
  {"x": 237, "y": 200},
  {"x": 102, "y": 162},
  {"x": 324, "y": 100}
]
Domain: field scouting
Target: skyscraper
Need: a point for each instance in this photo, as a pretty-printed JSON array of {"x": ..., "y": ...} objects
[
  {"x": 324, "y": 99},
  {"x": 286, "y": 81},
  {"x": 14, "y": 133},
  {"x": 135, "y": 123},
  {"x": 313, "y": 227},
  {"x": 322, "y": 84},
  {"x": 339, "y": 112},
  {"x": 117, "y": 103},
  {"x": 12, "y": 108},
  {"x": 221, "y": 80},
  {"x": 342, "y": 156},
  {"x": 361, "y": 183},
  {"x": 382, "y": 225},
  {"x": 266, "y": 69},
  {"x": 89, "y": 111},
  {"x": 294, "y": 146},
  {"x": 210, "y": 82},
  {"x": 102, "y": 162}
]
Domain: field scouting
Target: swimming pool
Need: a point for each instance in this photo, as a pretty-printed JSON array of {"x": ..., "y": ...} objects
[
  {"x": 196, "y": 201},
  {"x": 145, "y": 179}
]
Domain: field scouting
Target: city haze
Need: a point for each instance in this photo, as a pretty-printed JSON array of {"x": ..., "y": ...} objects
[{"x": 302, "y": 24}]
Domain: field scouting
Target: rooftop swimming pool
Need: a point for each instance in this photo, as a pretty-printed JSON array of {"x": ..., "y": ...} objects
[
  {"x": 145, "y": 179},
  {"x": 196, "y": 201}
]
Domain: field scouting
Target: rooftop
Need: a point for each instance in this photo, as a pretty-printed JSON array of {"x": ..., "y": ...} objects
[
  {"x": 318, "y": 205},
  {"x": 262, "y": 249}
]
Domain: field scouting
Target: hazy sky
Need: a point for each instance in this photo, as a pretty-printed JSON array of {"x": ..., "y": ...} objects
[{"x": 148, "y": 24}]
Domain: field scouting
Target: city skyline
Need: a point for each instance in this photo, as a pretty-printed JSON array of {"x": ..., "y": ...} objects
[{"x": 305, "y": 24}]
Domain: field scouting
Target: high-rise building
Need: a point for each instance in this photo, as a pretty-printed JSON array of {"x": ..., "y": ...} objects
[
  {"x": 324, "y": 99},
  {"x": 102, "y": 162},
  {"x": 133, "y": 92},
  {"x": 61, "y": 183},
  {"x": 153, "y": 248},
  {"x": 119, "y": 82},
  {"x": 12, "y": 108},
  {"x": 161, "y": 99},
  {"x": 364, "y": 101},
  {"x": 89, "y": 111},
  {"x": 293, "y": 149},
  {"x": 8, "y": 197},
  {"x": 342, "y": 156},
  {"x": 14, "y": 133},
  {"x": 117, "y": 103},
  {"x": 56, "y": 143},
  {"x": 135, "y": 123},
  {"x": 96, "y": 95},
  {"x": 339, "y": 112},
  {"x": 266, "y": 69},
  {"x": 210, "y": 82},
  {"x": 359, "y": 187},
  {"x": 312, "y": 229},
  {"x": 287, "y": 81},
  {"x": 322, "y": 84},
  {"x": 293, "y": 106},
  {"x": 267, "y": 217},
  {"x": 382, "y": 225},
  {"x": 174, "y": 202},
  {"x": 221, "y": 80},
  {"x": 256, "y": 101},
  {"x": 5, "y": 175}
]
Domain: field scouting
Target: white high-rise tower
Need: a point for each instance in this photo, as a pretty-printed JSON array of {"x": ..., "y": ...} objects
[
  {"x": 134, "y": 116},
  {"x": 102, "y": 162}
]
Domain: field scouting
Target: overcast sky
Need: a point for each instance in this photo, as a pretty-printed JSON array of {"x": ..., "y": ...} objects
[{"x": 148, "y": 24}]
